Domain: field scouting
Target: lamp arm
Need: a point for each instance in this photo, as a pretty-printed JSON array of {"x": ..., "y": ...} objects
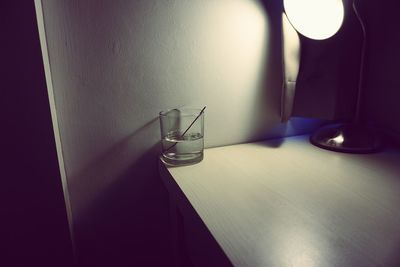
[{"x": 357, "y": 116}]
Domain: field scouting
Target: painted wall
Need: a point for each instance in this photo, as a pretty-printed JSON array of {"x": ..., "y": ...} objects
[
  {"x": 382, "y": 71},
  {"x": 115, "y": 65}
]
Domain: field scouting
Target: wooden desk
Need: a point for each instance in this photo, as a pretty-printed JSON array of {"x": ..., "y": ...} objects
[{"x": 287, "y": 203}]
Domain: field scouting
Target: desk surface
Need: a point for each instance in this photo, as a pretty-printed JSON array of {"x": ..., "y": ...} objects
[{"x": 288, "y": 203}]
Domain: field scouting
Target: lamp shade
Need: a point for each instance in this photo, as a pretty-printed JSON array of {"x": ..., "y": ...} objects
[{"x": 315, "y": 19}]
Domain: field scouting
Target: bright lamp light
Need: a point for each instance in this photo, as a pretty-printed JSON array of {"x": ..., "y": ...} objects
[{"x": 315, "y": 19}]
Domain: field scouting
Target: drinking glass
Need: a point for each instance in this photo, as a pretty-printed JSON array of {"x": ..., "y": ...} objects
[{"x": 182, "y": 135}]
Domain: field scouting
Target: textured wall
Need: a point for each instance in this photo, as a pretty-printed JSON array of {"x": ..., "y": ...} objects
[{"x": 115, "y": 65}]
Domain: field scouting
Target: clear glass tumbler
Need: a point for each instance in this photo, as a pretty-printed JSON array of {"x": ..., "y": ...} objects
[{"x": 182, "y": 135}]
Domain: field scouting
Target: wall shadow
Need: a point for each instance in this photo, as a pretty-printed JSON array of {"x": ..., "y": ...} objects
[
  {"x": 126, "y": 224},
  {"x": 267, "y": 100},
  {"x": 120, "y": 206},
  {"x": 97, "y": 176}
]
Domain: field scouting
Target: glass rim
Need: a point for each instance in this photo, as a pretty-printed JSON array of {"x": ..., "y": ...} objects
[{"x": 165, "y": 113}]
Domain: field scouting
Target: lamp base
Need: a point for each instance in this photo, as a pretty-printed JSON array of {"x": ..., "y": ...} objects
[{"x": 347, "y": 138}]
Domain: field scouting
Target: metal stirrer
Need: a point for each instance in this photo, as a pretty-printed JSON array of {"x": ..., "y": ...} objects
[{"x": 201, "y": 112}]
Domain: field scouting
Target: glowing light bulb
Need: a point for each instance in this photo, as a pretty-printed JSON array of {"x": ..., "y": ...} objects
[{"x": 315, "y": 19}]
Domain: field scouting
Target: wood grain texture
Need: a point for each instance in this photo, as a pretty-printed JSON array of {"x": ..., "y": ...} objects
[{"x": 297, "y": 205}]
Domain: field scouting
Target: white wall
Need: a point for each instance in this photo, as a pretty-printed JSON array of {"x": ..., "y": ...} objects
[{"x": 115, "y": 65}]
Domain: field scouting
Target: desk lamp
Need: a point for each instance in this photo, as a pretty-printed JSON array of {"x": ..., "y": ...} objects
[{"x": 319, "y": 20}]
